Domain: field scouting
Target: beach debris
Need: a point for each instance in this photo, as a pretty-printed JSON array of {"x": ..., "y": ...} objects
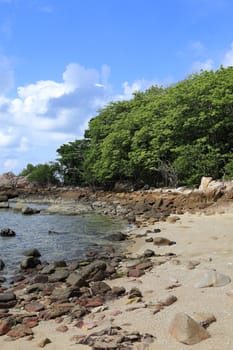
[
  {"x": 134, "y": 293},
  {"x": 186, "y": 330},
  {"x": 161, "y": 241},
  {"x": 213, "y": 278},
  {"x": 149, "y": 240}
]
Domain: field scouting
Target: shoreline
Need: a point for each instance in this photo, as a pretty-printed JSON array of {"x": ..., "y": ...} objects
[{"x": 203, "y": 243}]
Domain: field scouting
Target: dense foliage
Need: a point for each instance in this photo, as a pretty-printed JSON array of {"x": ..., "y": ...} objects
[
  {"x": 42, "y": 174},
  {"x": 163, "y": 136}
]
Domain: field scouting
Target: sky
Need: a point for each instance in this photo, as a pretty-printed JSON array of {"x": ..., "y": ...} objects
[{"x": 63, "y": 60}]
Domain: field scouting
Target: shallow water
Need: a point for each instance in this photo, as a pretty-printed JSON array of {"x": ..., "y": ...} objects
[{"x": 72, "y": 236}]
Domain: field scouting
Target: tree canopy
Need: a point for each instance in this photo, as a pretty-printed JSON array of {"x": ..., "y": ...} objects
[{"x": 163, "y": 136}]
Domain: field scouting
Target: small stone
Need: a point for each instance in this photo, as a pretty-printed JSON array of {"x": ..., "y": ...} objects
[
  {"x": 2, "y": 265},
  {"x": 135, "y": 273},
  {"x": 186, "y": 330},
  {"x": 32, "y": 252},
  {"x": 168, "y": 300},
  {"x": 62, "y": 329},
  {"x": 161, "y": 241},
  {"x": 149, "y": 253},
  {"x": 204, "y": 318},
  {"x": 149, "y": 240},
  {"x": 44, "y": 342}
]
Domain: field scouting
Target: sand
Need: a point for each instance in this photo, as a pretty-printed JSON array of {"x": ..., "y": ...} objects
[{"x": 205, "y": 239}]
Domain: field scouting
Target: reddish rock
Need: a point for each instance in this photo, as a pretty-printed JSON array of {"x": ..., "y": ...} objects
[
  {"x": 34, "y": 307},
  {"x": 62, "y": 329},
  {"x": 94, "y": 302},
  {"x": 19, "y": 331},
  {"x": 5, "y": 326},
  {"x": 31, "y": 323},
  {"x": 135, "y": 273}
]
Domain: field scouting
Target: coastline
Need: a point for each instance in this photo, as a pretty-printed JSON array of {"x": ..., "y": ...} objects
[{"x": 204, "y": 239}]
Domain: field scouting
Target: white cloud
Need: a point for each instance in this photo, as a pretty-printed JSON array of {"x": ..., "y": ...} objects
[
  {"x": 45, "y": 114},
  {"x": 204, "y": 65},
  {"x": 10, "y": 164},
  {"x": 228, "y": 57}
]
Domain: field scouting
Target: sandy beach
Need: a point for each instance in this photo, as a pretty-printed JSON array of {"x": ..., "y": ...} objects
[{"x": 203, "y": 243}]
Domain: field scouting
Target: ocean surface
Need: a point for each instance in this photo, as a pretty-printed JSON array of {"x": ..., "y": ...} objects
[{"x": 57, "y": 237}]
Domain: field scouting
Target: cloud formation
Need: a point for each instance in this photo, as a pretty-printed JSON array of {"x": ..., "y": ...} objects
[{"x": 45, "y": 114}]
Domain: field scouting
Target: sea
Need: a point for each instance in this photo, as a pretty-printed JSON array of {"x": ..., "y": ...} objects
[{"x": 57, "y": 237}]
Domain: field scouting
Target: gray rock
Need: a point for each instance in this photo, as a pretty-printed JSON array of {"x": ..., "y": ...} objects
[
  {"x": 161, "y": 241},
  {"x": 29, "y": 211},
  {"x": 149, "y": 253},
  {"x": 7, "y": 232},
  {"x": 32, "y": 252},
  {"x": 29, "y": 262},
  {"x": 4, "y": 204},
  {"x": 186, "y": 330},
  {"x": 4, "y": 297},
  {"x": 58, "y": 275},
  {"x": 213, "y": 279},
  {"x": 93, "y": 272},
  {"x": 65, "y": 293},
  {"x": 48, "y": 269}
]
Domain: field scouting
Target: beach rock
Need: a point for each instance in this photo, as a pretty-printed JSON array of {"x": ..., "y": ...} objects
[
  {"x": 79, "y": 311},
  {"x": 167, "y": 301},
  {"x": 29, "y": 211},
  {"x": 149, "y": 253},
  {"x": 135, "y": 273},
  {"x": 34, "y": 307},
  {"x": 8, "y": 296},
  {"x": 161, "y": 241},
  {"x": 144, "y": 265},
  {"x": 20, "y": 331},
  {"x": 36, "y": 287},
  {"x": 29, "y": 262},
  {"x": 134, "y": 293},
  {"x": 40, "y": 279},
  {"x": 5, "y": 326},
  {"x": 58, "y": 275},
  {"x": 65, "y": 293},
  {"x": 62, "y": 329},
  {"x": 56, "y": 311},
  {"x": 48, "y": 269},
  {"x": 2, "y": 265},
  {"x": 43, "y": 342},
  {"x": 7, "y": 232},
  {"x": 117, "y": 291},
  {"x": 32, "y": 252},
  {"x": 149, "y": 240},
  {"x": 186, "y": 330},
  {"x": 204, "y": 318},
  {"x": 213, "y": 279},
  {"x": 118, "y": 236},
  {"x": 99, "y": 288},
  {"x": 93, "y": 272}
]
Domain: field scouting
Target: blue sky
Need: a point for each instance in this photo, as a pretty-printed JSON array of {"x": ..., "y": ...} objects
[{"x": 62, "y": 60}]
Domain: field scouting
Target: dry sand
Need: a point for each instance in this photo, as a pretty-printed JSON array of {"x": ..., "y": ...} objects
[{"x": 206, "y": 239}]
